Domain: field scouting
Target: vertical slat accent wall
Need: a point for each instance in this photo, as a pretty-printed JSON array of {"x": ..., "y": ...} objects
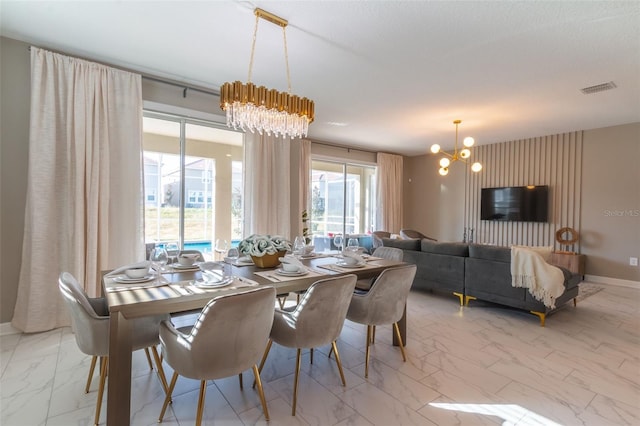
[{"x": 555, "y": 161}]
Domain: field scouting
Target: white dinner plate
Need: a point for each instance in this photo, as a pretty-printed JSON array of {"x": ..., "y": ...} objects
[
  {"x": 123, "y": 279},
  {"x": 308, "y": 256},
  {"x": 348, "y": 266},
  {"x": 209, "y": 284},
  {"x": 282, "y": 272},
  {"x": 185, "y": 267}
]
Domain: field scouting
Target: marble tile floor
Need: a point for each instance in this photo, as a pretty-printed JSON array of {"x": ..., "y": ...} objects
[{"x": 480, "y": 365}]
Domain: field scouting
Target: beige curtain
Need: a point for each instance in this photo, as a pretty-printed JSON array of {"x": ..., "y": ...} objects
[
  {"x": 389, "y": 212},
  {"x": 267, "y": 185},
  {"x": 304, "y": 179},
  {"x": 83, "y": 210}
]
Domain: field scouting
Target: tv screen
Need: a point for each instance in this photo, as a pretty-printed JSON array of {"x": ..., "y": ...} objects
[{"x": 515, "y": 203}]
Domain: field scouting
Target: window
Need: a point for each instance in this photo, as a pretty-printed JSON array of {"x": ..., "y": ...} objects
[
  {"x": 342, "y": 201},
  {"x": 202, "y": 161}
]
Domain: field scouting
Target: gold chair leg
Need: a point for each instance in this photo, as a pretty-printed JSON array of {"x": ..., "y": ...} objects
[
  {"x": 264, "y": 358},
  {"x": 366, "y": 353},
  {"x": 240, "y": 379},
  {"x": 460, "y": 296},
  {"x": 163, "y": 377},
  {"x": 373, "y": 334},
  {"x": 91, "y": 370},
  {"x": 104, "y": 361},
  {"x": 575, "y": 302},
  {"x": 263, "y": 401},
  {"x": 335, "y": 349},
  {"x": 400, "y": 343},
  {"x": 281, "y": 301},
  {"x": 146, "y": 352},
  {"x": 295, "y": 382},
  {"x": 167, "y": 398},
  {"x": 540, "y": 315},
  {"x": 203, "y": 391},
  {"x": 297, "y": 298},
  {"x": 467, "y": 298}
]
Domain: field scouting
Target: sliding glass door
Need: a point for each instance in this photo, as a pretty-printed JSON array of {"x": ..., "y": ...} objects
[
  {"x": 342, "y": 202},
  {"x": 193, "y": 183}
]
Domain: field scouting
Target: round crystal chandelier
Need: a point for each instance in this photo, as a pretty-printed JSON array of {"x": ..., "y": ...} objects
[
  {"x": 461, "y": 155},
  {"x": 266, "y": 110}
]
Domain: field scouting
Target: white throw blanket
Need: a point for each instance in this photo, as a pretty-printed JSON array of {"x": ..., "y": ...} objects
[{"x": 529, "y": 270}]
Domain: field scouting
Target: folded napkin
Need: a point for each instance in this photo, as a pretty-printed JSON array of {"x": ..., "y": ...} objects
[
  {"x": 208, "y": 266},
  {"x": 213, "y": 276},
  {"x": 354, "y": 255},
  {"x": 133, "y": 265},
  {"x": 292, "y": 261}
]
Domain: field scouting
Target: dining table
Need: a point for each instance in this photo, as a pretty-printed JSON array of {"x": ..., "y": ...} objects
[{"x": 177, "y": 289}]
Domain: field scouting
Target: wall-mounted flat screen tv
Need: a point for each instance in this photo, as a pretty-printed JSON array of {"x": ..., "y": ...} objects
[{"x": 515, "y": 203}]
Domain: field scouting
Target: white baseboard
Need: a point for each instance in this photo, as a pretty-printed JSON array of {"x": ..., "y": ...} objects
[
  {"x": 612, "y": 281},
  {"x": 7, "y": 328}
]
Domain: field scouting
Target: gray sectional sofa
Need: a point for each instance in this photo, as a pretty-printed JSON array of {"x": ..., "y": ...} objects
[{"x": 475, "y": 271}]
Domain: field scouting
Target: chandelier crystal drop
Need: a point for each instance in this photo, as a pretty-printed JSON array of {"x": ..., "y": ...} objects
[
  {"x": 263, "y": 110},
  {"x": 461, "y": 155}
]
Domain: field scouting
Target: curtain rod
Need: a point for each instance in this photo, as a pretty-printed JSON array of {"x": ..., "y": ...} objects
[
  {"x": 347, "y": 148},
  {"x": 185, "y": 87}
]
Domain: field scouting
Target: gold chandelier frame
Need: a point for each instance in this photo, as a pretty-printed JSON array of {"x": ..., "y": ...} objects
[{"x": 461, "y": 155}]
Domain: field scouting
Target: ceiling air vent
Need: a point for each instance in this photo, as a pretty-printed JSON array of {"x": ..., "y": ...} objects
[{"x": 598, "y": 88}]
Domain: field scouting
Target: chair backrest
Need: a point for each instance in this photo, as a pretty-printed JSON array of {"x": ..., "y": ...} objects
[
  {"x": 200, "y": 257},
  {"x": 228, "y": 337},
  {"x": 91, "y": 330},
  {"x": 377, "y": 237},
  {"x": 387, "y": 297},
  {"x": 413, "y": 234},
  {"x": 389, "y": 253},
  {"x": 321, "y": 312}
]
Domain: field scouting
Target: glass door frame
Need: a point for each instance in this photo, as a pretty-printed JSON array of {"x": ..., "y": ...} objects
[
  {"x": 183, "y": 120},
  {"x": 344, "y": 164}
]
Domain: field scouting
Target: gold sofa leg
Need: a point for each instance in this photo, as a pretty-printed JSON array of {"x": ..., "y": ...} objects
[
  {"x": 540, "y": 315},
  {"x": 467, "y": 298},
  {"x": 460, "y": 296}
]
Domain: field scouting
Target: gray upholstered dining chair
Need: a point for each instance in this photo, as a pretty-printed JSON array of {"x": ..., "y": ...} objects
[
  {"x": 316, "y": 321},
  {"x": 383, "y": 304},
  {"x": 90, "y": 319},
  {"x": 226, "y": 339},
  {"x": 388, "y": 253},
  {"x": 377, "y": 237}
]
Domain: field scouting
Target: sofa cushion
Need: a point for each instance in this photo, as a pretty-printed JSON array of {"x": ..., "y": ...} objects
[
  {"x": 481, "y": 251},
  {"x": 451, "y": 249},
  {"x": 401, "y": 244}
]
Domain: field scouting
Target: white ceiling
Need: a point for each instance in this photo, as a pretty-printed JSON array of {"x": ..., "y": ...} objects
[{"x": 384, "y": 75}]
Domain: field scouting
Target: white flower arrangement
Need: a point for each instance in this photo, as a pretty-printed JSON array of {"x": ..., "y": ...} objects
[{"x": 259, "y": 245}]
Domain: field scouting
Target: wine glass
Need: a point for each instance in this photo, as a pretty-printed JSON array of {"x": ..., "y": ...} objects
[
  {"x": 338, "y": 241},
  {"x": 353, "y": 245},
  {"x": 159, "y": 257},
  {"x": 221, "y": 247},
  {"x": 298, "y": 245},
  {"x": 233, "y": 253}
]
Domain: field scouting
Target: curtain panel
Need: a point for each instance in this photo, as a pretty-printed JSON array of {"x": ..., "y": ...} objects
[
  {"x": 83, "y": 210},
  {"x": 304, "y": 179},
  {"x": 389, "y": 212},
  {"x": 267, "y": 185}
]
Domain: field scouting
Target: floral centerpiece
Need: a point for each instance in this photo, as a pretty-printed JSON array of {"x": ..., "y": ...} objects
[{"x": 264, "y": 249}]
